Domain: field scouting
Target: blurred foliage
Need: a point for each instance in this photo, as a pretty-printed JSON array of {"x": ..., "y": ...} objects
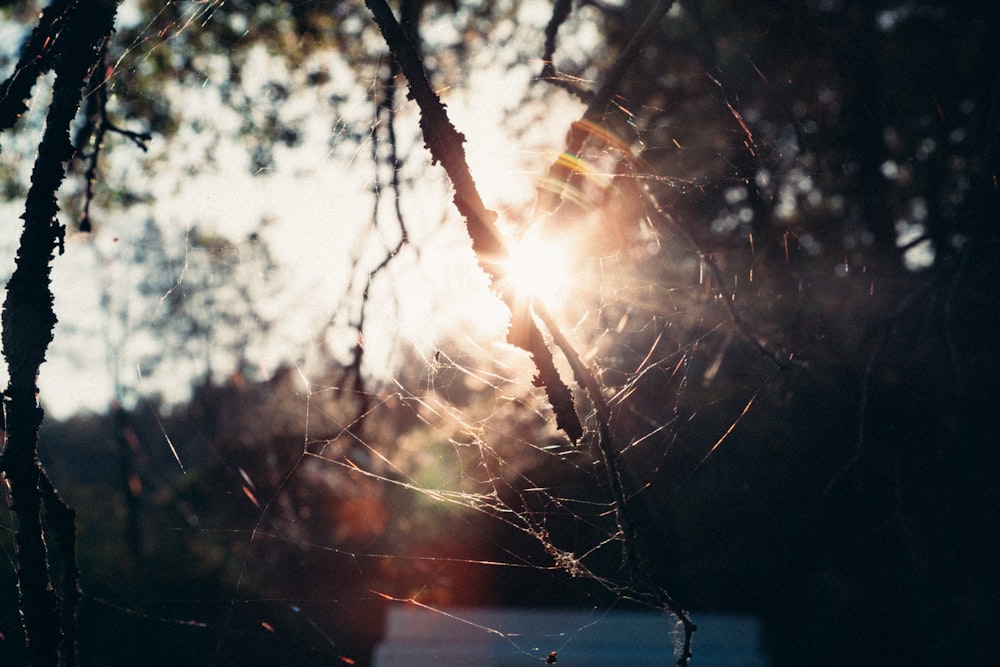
[{"x": 797, "y": 340}]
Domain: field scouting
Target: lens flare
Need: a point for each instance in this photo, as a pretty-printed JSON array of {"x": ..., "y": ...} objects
[{"x": 538, "y": 268}]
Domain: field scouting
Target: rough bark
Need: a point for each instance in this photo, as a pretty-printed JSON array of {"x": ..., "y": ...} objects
[
  {"x": 28, "y": 316},
  {"x": 445, "y": 145}
]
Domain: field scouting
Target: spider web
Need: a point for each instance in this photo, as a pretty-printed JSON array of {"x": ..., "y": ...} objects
[{"x": 357, "y": 466}]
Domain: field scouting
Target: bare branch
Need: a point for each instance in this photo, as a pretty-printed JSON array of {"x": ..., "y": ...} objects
[
  {"x": 609, "y": 456},
  {"x": 445, "y": 145},
  {"x": 549, "y": 199},
  {"x": 443, "y": 141},
  {"x": 61, "y": 519},
  {"x": 93, "y": 132},
  {"x": 28, "y": 321},
  {"x": 36, "y": 59},
  {"x": 560, "y": 12}
]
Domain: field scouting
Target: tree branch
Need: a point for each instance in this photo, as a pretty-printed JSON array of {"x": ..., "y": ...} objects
[
  {"x": 609, "y": 457},
  {"x": 442, "y": 140},
  {"x": 61, "y": 518},
  {"x": 560, "y": 12},
  {"x": 93, "y": 132},
  {"x": 28, "y": 318},
  {"x": 550, "y": 198},
  {"x": 445, "y": 145},
  {"x": 36, "y": 59}
]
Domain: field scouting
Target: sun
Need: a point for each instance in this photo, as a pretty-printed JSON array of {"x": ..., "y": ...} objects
[{"x": 538, "y": 268}]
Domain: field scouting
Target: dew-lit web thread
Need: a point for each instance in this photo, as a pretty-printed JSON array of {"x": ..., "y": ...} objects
[
  {"x": 486, "y": 503},
  {"x": 556, "y": 189},
  {"x": 187, "y": 13},
  {"x": 781, "y": 358},
  {"x": 179, "y": 281},
  {"x": 265, "y": 506},
  {"x": 566, "y": 560},
  {"x": 508, "y": 637},
  {"x": 556, "y": 183},
  {"x": 480, "y": 502},
  {"x": 549, "y": 199},
  {"x": 263, "y": 512},
  {"x": 489, "y": 503},
  {"x": 159, "y": 424},
  {"x": 445, "y": 145}
]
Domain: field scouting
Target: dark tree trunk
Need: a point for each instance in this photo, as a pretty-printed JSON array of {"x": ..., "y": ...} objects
[{"x": 72, "y": 51}]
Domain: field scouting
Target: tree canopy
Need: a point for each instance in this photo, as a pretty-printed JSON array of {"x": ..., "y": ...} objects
[{"x": 668, "y": 304}]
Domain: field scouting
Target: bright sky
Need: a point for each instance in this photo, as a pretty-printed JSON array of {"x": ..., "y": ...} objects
[{"x": 320, "y": 202}]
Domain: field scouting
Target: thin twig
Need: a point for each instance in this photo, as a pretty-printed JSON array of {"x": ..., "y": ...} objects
[
  {"x": 609, "y": 457},
  {"x": 384, "y": 107},
  {"x": 445, "y": 144},
  {"x": 93, "y": 132},
  {"x": 550, "y": 198},
  {"x": 62, "y": 521},
  {"x": 560, "y": 12}
]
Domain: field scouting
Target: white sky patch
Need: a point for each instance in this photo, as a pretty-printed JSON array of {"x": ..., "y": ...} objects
[
  {"x": 495, "y": 157},
  {"x": 318, "y": 201}
]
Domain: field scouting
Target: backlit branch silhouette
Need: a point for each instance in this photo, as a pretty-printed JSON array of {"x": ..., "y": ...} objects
[
  {"x": 445, "y": 145},
  {"x": 444, "y": 142},
  {"x": 72, "y": 50}
]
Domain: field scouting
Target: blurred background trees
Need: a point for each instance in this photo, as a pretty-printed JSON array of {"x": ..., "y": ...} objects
[{"x": 785, "y": 279}]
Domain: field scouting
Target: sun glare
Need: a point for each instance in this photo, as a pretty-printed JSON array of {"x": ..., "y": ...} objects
[{"x": 538, "y": 268}]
